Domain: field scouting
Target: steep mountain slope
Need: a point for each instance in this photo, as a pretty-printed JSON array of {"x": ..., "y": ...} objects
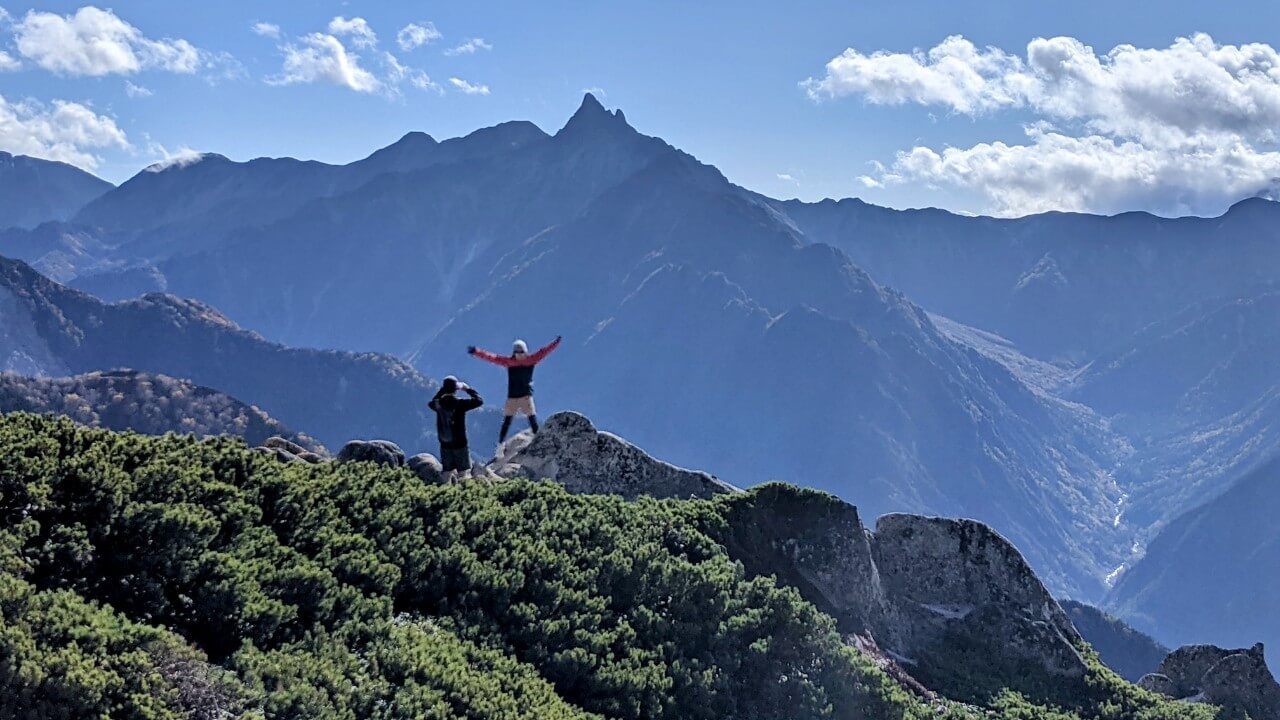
[
  {"x": 1210, "y": 576},
  {"x": 643, "y": 258},
  {"x": 335, "y": 396},
  {"x": 1062, "y": 286},
  {"x": 697, "y": 320},
  {"x": 34, "y": 191},
  {"x": 1199, "y": 393},
  {"x": 145, "y": 403},
  {"x": 1130, "y": 653}
]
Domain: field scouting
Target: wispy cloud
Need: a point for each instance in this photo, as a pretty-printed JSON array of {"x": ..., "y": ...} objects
[
  {"x": 265, "y": 29},
  {"x": 136, "y": 91},
  {"x": 469, "y": 88},
  {"x": 1189, "y": 128},
  {"x": 417, "y": 34},
  {"x": 469, "y": 47},
  {"x": 61, "y": 130},
  {"x": 356, "y": 30},
  {"x": 323, "y": 58}
]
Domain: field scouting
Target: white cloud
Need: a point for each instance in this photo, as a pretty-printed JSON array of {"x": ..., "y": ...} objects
[
  {"x": 65, "y": 131},
  {"x": 265, "y": 29},
  {"x": 8, "y": 62},
  {"x": 1189, "y": 128},
  {"x": 1093, "y": 173},
  {"x": 323, "y": 58},
  {"x": 469, "y": 47},
  {"x": 96, "y": 42},
  {"x": 356, "y": 29},
  {"x": 397, "y": 74},
  {"x": 955, "y": 73},
  {"x": 417, "y": 34},
  {"x": 469, "y": 88},
  {"x": 788, "y": 178},
  {"x": 182, "y": 158},
  {"x": 136, "y": 91}
]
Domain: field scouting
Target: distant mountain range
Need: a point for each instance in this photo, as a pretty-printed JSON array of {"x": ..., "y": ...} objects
[
  {"x": 907, "y": 360},
  {"x": 51, "y": 330},
  {"x": 34, "y": 191},
  {"x": 145, "y": 403}
]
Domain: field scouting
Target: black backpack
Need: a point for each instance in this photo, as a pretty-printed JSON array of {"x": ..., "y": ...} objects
[{"x": 444, "y": 421}]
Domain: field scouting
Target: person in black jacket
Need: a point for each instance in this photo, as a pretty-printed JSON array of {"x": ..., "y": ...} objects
[{"x": 451, "y": 426}]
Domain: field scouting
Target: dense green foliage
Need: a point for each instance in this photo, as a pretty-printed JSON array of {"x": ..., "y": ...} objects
[
  {"x": 145, "y": 403},
  {"x": 353, "y": 591},
  {"x": 159, "y": 577}
]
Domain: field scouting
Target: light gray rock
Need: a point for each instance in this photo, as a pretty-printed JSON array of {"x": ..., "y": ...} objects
[
  {"x": 289, "y": 446},
  {"x": 1158, "y": 683},
  {"x": 427, "y": 467},
  {"x": 280, "y": 454},
  {"x": 1234, "y": 679},
  {"x": 817, "y": 543},
  {"x": 382, "y": 452},
  {"x": 310, "y": 457},
  {"x": 570, "y": 450},
  {"x": 953, "y": 579}
]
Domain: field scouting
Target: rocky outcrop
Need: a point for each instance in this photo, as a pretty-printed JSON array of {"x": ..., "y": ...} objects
[
  {"x": 941, "y": 596},
  {"x": 958, "y": 582},
  {"x": 382, "y": 452},
  {"x": 1234, "y": 679},
  {"x": 571, "y": 451},
  {"x": 287, "y": 451},
  {"x": 816, "y": 543},
  {"x": 950, "y": 600},
  {"x": 427, "y": 467}
]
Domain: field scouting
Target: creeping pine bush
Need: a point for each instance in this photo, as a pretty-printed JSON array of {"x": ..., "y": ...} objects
[{"x": 147, "y": 577}]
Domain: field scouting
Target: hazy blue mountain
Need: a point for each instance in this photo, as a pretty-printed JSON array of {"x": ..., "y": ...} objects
[
  {"x": 1211, "y": 575},
  {"x": 148, "y": 403},
  {"x": 704, "y": 327},
  {"x": 51, "y": 330},
  {"x": 700, "y": 322},
  {"x": 1130, "y": 653},
  {"x": 1198, "y": 393},
  {"x": 34, "y": 191},
  {"x": 1062, "y": 286}
]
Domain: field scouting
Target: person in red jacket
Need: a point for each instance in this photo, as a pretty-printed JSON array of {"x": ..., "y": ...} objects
[{"x": 519, "y": 367}]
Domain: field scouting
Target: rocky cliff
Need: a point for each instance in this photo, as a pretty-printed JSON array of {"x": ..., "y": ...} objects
[
  {"x": 571, "y": 451},
  {"x": 1237, "y": 680}
]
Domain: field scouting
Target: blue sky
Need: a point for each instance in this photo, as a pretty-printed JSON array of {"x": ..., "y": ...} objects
[{"x": 724, "y": 81}]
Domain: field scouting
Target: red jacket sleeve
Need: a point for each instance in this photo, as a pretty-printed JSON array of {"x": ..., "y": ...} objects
[
  {"x": 539, "y": 356},
  {"x": 501, "y": 360}
]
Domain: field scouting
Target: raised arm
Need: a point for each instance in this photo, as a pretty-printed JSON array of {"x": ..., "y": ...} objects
[
  {"x": 472, "y": 402},
  {"x": 500, "y": 360},
  {"x": 538, "y": 356}
]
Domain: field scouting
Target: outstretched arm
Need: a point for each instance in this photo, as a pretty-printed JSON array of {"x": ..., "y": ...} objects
[
  {"x": 538, "y": 356},
  {"x": 500, "y": 360}
]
